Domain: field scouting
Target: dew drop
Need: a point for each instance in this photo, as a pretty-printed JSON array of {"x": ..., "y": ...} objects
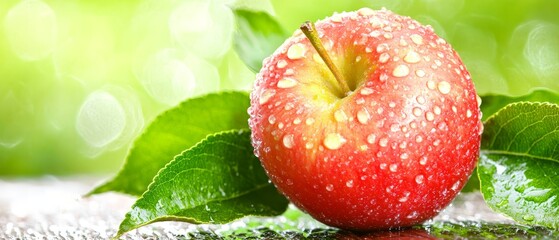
[
  {"x": 337, "y": 18},
  {"x": 371, "y": 138},
  {"x": 423, "y": 160},
  {"x": 349, "y": 183},
  {"x": 383, "y": 166},
  {"x": 366, "y": 91},
  {"x": 309, "y": 121},
  {"x": 289, "y": 182},
  {"x": 392, "y": 104},
  {"x": 383, "y": 142},
  {"x": 363, "y": 116},
  {"x": 417, "y": 111},
  {"x": 287, "y": 83},
  {"x": 405, "y": 197},
  {"x": 289, "y": 72},
  {"x": 478, "y": 100},
  {"x": 296, "y": 51},
  {"x": 272, "y": 119},
  {"x": 418, "y": 138},
  {"x": 340, "y": 116},
  {"x": 455, "y": 186},
  {"x": 393, "y": 167},
  {"x": 395, "y": 127},
  {"x": 420, "y": 73},
  {"x": 281, "y": 64},
  {"x": 444, "y": 87},
  {"x": 334, "y": 141},
  {"x": 430, "y": 116},
  {"x": 383, "y": 47},
  {"x": 412, "y": 57},
  {"x": 309, "y": 145},
  {"x": 297, "y": 121},
  {"x": 360, "y": 101},
  {"x": 468, "y": 113},
  {"x": 383, "y": 77},
  {"x": 417, "y": 39},
  {"x": 437, "y": 110},
  {"x": 288, "y": 141},
  {"x": 431, "y": 84},
  {"x": 401, "y": 71},
  {"x": 404, "y": 156},
  {"x": 368, "y": 50},
  {"x": 383, "y": 58},
  {"x": 442, "y": 126},
  {"x": 358, "y": 59},
  {"x": 266, "y": 95},
  {"x": 454, "y": 109},
  {"x": 419, "y": 179},
  {"x": 420, "y": 99},
  {"x": 329, "y": 187},
  {"x": 388, "y": 36}
]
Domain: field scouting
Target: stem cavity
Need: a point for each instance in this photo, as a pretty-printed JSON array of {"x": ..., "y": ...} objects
[{"x": 309, "y": 30}]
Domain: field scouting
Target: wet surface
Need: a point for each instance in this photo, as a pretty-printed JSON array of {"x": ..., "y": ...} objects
[{"x": 52, "y": 208}]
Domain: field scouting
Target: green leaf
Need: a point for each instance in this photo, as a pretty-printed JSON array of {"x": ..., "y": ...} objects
[
  {"x": 258, "y": 35},
  {"x": 216, "y": 181},
  {"x": 519, "y": 163},
  {"x": 490, "y": 104},
  {"x": 174, "y": 131}
]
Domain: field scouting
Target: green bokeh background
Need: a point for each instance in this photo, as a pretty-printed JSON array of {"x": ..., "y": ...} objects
[{"x": 80, "y": 79}]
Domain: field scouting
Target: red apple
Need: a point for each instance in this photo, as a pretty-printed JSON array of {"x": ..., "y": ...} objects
[{"x": 373, "y": 123}]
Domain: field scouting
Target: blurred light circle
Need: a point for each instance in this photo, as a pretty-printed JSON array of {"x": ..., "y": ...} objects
[
  {"x": 101, "y": 119},
  {"x": 31, "y": 29},
  {"x": 213, "y": 38},
  {"x": 167, "y": 78}
]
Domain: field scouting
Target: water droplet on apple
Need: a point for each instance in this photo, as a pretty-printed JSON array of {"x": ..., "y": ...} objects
[
  {"x": 412, "y": 57},
  {"x": 388, "y": 36},
  {"x": 383, "y": 166},
  {"x": 418, "y": 138},
  {"x": 266, "y": 95},
  {"x": 340, "y": 115},
  {"x": 309, "y": 145},
  {"x": 430, "y": 116},
  {"x": 383, "y": 47},
  {"x": 443, "y": 87},
  {"x": 309, "y": 121},
  {"x": 287, "y": 83},
  {"x": 401, "y": 71},
  {"x": 384, "y": 57},
  {"x": 349, "y": 183},
  {"x": 455, "y": 186},
  {"x": 383, "y": 142},
  {"x": 468, "y": 113},
  {"x": 334, "y": 141},
  {"x": 420, "y": 99},
  {"x": 281, "y": 64},
  {"x": 272, "y": 119},
  {"x": 419, "y": 179},
  {"x": 329, "y": 187},
  {"x": 358, "y": 59},
  {"x": 437, "y": 110},
  {"x": 393, "y": 167},
  {"x": 365, "y": 12},
  {"x": 423, "y": 160},
  {"x": 417, "y": 39},
  {"x": 395, "y": 127},
  {"x": 288, "y": 141},
  {"x": 392, "y": 104},
  {"x": 478, "y": 100},
  {"x": 454, "y": 109},
  {"x": 296, "y": 51},
  {"x": 366, "y": 91},
  {"x": 289, "y": 182},
  {"x": 368, "y": 50},
  {"x": 404, "y": 156},
  {"x": 363, "y": 116},
  {"x": 431, "y": 84},
  {"x": 420, "y": 73},
  {"x": 371, "y": 138},
  {"x": 383, "y": 77},
  {"x": 405, "y": 197},
  {"x": 417, "y": 111},
  {"x": 289, "y": 72},
  {"x": 442, "y": 126},
  {"x": 297, "y": 121}
]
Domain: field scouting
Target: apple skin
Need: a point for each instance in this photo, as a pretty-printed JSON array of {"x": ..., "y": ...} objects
[{"x": 392, "y": 152}]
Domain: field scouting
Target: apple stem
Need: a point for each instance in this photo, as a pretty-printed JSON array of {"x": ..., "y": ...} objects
[{"x": 309, "y": 30}]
